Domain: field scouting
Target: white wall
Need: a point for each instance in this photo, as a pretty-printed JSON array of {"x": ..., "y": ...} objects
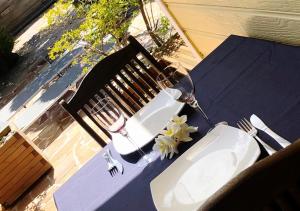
[{"x": 207, "y": 23}]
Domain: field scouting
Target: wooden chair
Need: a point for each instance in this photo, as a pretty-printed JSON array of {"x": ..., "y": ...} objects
[
  {"x": 271, "y": 184},
  {"x": 126, "y": 76}
]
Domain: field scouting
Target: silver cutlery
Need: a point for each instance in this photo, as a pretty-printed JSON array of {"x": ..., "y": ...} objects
[
  {"x": 259, "y": 124},
  {"x": 111, "y": 167},
  {"x": 248, "y": 128},
  {"x": 115, "y": 162}
]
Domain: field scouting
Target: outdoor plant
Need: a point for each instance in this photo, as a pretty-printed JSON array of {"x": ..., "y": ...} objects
[
  {"x": 164, "y": 29},
  {"x": 100, "y": 20},
  {"x": 177, "y": 131},
  {"x": 150, "y": 23},
  {"x": 58, "y": 12}
]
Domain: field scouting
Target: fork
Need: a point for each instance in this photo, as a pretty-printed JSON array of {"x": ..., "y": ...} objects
[
  {"x": 245, "y": 125},
  {"x": 119, "y": 165},
  {"x": 111, "y": 167}
]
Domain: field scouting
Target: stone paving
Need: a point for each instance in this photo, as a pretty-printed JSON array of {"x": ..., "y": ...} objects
[{"x": 39, "y": 82}]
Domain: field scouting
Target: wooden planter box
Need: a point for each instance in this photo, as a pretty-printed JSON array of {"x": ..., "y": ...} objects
[{"x": 21, "y": 164}]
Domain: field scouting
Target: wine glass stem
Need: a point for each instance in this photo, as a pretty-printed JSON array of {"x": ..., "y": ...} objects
[
  {"x": 140, "y": 151},
  {"x": 194, "y": 104}
]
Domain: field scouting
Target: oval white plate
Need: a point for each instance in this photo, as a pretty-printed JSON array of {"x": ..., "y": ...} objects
[
  {"x": 145, "y": 125},
  {"x": 203, "y": 169}
]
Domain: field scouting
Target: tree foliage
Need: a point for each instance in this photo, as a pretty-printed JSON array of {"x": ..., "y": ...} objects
[
  {"x": 149, "y": 22},
  {"x": 100, "y": 18},
  {"x": 58, "y": 12}
]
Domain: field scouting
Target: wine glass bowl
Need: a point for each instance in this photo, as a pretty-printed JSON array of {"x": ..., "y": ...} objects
[
  {"x": 177, "y": 82},
  {"x": 170, "y": 80},
  {"x": 111, "y": 118}
]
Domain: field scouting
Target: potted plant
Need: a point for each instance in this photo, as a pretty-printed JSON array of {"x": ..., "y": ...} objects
[{"x": 21, "y": 165}]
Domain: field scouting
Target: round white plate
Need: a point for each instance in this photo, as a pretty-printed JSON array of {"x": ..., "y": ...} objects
[
  {"x": 146, "y": 124},
  {"x": 203, "y": 169}
]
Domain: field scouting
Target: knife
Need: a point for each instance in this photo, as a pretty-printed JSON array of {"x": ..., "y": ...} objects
[
  {"x": 116, "y": 162},
  {"x": 259, "y": 124}
]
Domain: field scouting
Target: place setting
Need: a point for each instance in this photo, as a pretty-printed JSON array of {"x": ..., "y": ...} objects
[
  {"x": 221, "y": 154},
  {"x": 131, "y": 135},
  {"x": 192, "y": 139}
]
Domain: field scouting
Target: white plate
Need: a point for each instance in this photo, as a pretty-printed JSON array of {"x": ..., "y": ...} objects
[
  {"x": 145, "y": 125},
  {"x": 203, "y": 169}
]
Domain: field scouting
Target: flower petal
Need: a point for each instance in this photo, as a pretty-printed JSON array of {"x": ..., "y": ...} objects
[
  {"x": 192, "y": 129},
  {"x": 179, "y": 120}
]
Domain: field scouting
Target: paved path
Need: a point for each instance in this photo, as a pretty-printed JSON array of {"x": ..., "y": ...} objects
[
  {"x": 47, "y": 99},
  {"x": 46, "y": 75}
]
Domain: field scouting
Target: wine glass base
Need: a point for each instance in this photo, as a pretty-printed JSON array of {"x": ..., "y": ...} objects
[{"x": 147, "y": 159}]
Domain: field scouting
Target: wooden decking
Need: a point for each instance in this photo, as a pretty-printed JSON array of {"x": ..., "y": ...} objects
[{"x": 69, "y": 151}]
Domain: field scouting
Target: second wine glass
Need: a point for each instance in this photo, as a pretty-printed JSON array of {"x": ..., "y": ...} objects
[{"x": 177, "y": 82}]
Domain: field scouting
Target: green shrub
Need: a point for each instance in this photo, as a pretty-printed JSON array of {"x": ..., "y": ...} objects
[
  {"x": 164, "y": 28},
  {"x": 6, "y": 42}
]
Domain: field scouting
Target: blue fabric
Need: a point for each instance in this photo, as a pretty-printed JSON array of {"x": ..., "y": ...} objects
[{"x": 241, "y": 77}]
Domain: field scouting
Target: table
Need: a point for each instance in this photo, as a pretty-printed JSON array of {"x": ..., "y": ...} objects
[{"x": 241, "y": 77}]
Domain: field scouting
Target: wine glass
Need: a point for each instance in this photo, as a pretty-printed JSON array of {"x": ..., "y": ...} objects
[
  {"x": 177, "y": 82},
  {"x": 112, "y": 119}
]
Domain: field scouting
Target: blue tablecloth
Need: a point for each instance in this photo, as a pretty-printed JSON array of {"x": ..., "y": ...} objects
[{"x": 241, "y": 77}]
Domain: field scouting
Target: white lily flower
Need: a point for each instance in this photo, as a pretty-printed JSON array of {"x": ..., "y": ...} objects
[
  {"x": 179, "y": 120},
  {"x": 165, "y": 145},
  {"x": 190, "y": 129},
  {"x": 177, "y": 131},
  {"x": 173, "y": 149},
  {"x": 171, "y": 130},
  {"x": 183, "y": 135}
]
